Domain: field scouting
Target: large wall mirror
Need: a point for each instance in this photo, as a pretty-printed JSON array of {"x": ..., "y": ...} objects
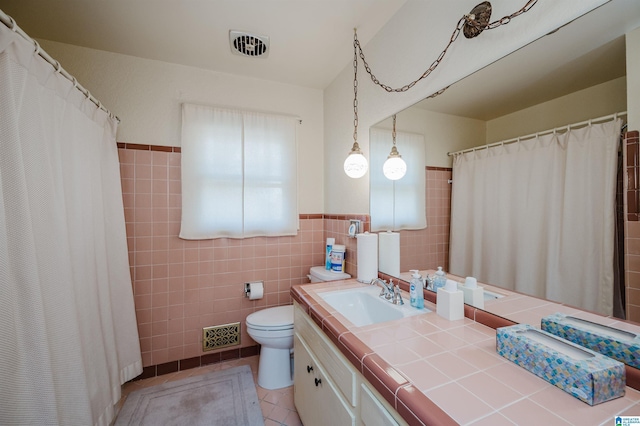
[{"x": 574, "y": 74}]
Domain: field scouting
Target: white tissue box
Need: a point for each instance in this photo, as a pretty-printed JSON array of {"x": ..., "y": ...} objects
[
  {"x": 473, "y": 296},
  {"x": 450, "y": 304}
]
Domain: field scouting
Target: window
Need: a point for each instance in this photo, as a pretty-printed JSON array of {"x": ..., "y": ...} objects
[
  {"x": 400, "y": 204},
  {"x": 239, "y": 174}
]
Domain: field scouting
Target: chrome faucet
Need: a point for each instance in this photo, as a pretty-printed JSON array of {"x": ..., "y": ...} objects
[
  {"x": 387, "y": 289},
  {"x": 429, "y": 282}
]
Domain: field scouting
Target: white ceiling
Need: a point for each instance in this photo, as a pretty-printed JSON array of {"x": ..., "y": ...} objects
[
  {"x": 311, "y": 40},
  {"x": 311, "y": 43}
]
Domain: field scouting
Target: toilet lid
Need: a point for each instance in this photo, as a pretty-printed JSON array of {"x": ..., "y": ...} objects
[
  {"x": 325, "y": 275},
  {"x": 279, "y": 317}
]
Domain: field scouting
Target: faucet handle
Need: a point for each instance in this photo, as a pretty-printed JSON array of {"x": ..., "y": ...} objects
[
  {"x": 397, "y": 296},
  {"x": 429, "y": 282}
]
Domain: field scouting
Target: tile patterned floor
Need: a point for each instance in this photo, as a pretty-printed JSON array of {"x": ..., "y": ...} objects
[{"x": 277, "y": 405}]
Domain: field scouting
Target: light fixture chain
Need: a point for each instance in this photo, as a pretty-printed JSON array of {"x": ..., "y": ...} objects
[
  {"x": 507, "y": 19},
  {"x": 355, "y": 89},
  {"x": 433, "y": 66},
  {"x": 468, "y": 20},
  {"x": 393, "y": 134}
]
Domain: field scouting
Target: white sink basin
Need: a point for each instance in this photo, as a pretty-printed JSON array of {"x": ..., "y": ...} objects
[
  {"x": 363, "y": 306},
  {"x": 489, "y": 295}
]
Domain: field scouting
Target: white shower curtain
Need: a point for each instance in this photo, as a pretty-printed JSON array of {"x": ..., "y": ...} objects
[
  {"x": 68, "y": 334},
  {"x": 537, "y": 216}
]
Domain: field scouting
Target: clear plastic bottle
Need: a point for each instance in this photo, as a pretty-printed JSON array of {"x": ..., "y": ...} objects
[
  {"x": 416, "y": 293},
  {"x": 439, "y": 280}
]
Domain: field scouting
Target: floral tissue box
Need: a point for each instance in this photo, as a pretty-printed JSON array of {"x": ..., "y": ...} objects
[
  {"x": 617, "y": 344},
  {"x": 583, "y": 373}
]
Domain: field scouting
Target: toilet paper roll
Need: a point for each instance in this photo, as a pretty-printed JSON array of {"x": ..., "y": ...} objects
[
  {"x": 367, "y": 257},
  {"x": 389, "y": 253},
  {"x": 256, "y": 290}
]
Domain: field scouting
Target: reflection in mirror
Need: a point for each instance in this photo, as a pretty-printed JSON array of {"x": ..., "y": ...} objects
[{"x": 574, "y": 74}]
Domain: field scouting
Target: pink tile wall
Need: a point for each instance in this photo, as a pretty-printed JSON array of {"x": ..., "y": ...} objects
[
  {"x": 429, "y": 248},
  {"x": 632, "y": 226},
  {"x": 181, "y": 286}
]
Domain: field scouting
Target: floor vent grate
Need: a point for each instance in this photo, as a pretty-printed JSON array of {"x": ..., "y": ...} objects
[{"x": 220, "y": 336}]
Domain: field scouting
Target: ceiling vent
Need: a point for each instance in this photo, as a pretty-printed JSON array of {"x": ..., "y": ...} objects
[{"x": 245, "y": 44}]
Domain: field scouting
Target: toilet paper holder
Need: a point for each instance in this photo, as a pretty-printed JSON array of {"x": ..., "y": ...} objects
[{"x": 247, "y": 287}]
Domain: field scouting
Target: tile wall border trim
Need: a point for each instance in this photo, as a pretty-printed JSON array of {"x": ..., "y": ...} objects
[
  {"x": 163, "y": 148},
  {"x": 143, "y": 147},
  {"x": 198, "y": 361}
]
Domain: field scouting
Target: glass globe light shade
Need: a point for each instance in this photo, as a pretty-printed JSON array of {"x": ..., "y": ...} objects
[
  {"x": 355, "y": 166},
  {"x": 394, "y": 167}
]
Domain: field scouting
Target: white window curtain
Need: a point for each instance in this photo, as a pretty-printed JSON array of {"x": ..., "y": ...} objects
[
  {"x": 537, "y": 216},
  {"x": 400, "y": 204},
  {"x": 68, "y": 329},
  {"x": 239, "y": 174}
]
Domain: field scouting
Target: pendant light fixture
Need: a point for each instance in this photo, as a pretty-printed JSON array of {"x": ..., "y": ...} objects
[
  {"x": 394, "y": 167},
  {"x": 355, "y": 166},
  {"x": 471, "y": 25}
]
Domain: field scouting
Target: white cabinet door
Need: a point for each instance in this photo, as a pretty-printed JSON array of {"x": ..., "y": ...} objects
[
  {"x": 372, "y": 411},
  {"x": 317, "y": 400}
]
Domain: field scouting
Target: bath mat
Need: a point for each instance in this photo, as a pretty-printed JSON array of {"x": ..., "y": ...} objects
[{"x": 222, "y": 398}]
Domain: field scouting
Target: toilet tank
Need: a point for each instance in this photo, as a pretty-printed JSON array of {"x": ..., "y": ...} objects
[{"x": 319, "y": 274}]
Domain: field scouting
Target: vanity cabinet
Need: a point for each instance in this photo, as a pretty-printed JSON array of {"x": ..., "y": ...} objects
[
  {"x": 328, "y": 390},
  {"x": 317, "y": 399}
]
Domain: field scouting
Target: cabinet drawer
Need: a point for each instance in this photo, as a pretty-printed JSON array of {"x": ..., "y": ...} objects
[{"x": 337, "y": 366}]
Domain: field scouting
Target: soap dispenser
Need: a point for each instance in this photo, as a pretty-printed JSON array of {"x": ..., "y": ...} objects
[
  {"x": 439, "y": 280},
  {"x": 416, "y": 292},
  {"x": 450, "y": 301}
]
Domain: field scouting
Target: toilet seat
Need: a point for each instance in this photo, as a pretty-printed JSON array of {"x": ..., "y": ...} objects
[{"x": 271, "y": 319}]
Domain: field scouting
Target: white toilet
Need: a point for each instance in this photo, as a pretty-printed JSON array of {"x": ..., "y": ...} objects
[{"x": 272, "y": 328}]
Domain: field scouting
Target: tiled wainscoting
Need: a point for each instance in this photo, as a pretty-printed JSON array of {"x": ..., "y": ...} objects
[
  {"x": 632, "y": 225},
  {"x": 181, "y": 286}
]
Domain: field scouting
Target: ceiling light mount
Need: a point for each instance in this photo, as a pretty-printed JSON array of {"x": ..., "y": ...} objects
[{"x": 477, "y": 20}]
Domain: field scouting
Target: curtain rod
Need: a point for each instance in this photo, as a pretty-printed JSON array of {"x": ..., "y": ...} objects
[
  {"x": 535, "y": 135},
  {"x": 13, "y": 26}
]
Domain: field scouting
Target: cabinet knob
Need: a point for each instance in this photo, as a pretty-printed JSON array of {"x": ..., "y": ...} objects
[
  {"x": 318, "y": 381},
  {"x": 309, "y": 369}
]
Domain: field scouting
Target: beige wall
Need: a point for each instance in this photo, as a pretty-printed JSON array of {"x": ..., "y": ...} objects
[
  {"x": 443, "y": 133},
  {"x": 597, "y": 101},
  {"x": 146, "y": 96},
  {"x": 633, "y": 78}
]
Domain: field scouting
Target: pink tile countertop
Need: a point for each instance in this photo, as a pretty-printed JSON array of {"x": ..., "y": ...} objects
[{"x": 435, "y": 371}]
